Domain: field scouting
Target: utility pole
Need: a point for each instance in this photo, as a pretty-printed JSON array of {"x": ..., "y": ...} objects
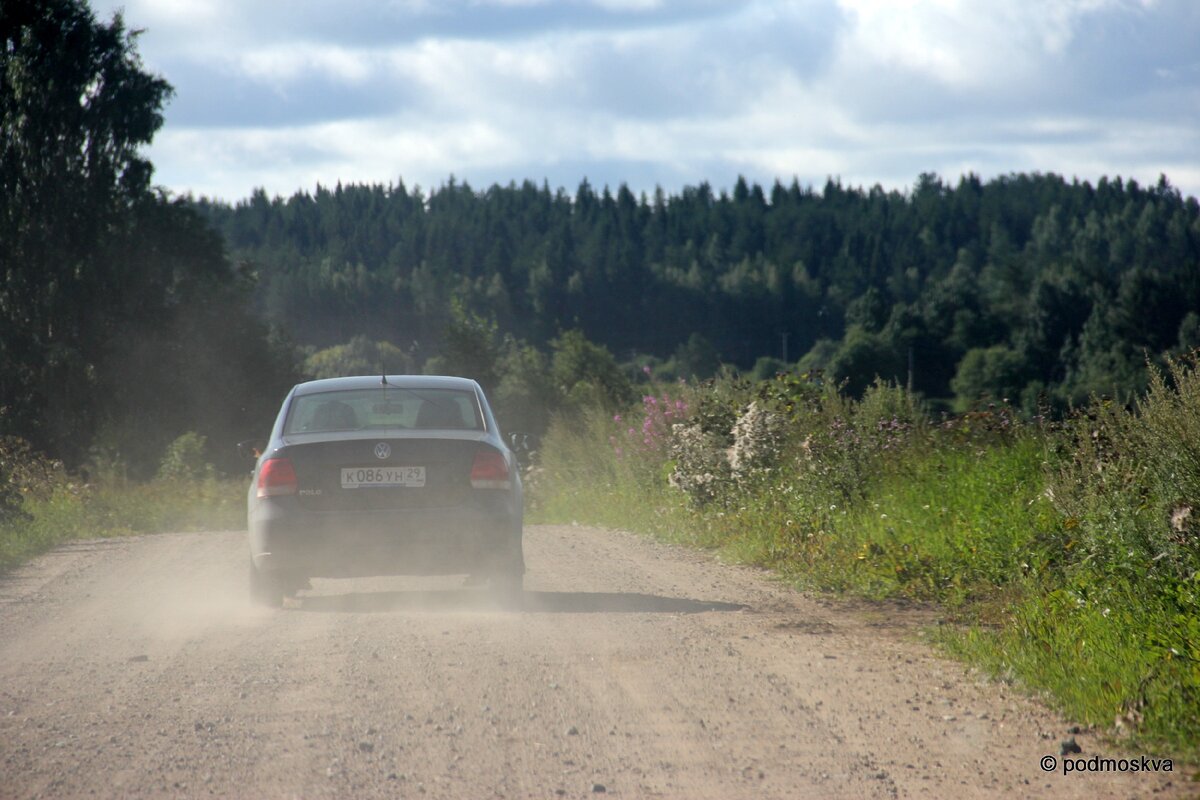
[{"x": 910, "y": 369}]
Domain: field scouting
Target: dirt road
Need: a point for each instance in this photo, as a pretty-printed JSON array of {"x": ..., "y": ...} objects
[{"x": 137, "y": 668}]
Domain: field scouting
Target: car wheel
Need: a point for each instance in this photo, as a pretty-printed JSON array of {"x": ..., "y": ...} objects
[{"x": 266, "y": 588}]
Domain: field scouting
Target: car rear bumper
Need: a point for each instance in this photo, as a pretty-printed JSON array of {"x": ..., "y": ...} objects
[{"x": 436, "y": 541}]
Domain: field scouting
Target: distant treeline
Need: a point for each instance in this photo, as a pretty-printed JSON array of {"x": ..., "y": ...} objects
[{"x": 1026, "y": 287}]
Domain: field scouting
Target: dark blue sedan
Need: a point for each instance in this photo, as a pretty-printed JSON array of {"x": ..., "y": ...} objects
[{"x": 384, "y": 475}]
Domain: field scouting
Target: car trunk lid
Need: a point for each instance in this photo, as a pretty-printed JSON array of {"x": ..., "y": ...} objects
[{"x": 379, "y": 473}]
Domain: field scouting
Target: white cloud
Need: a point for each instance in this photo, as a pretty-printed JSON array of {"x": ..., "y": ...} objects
[
  {"x": 475, "y": 74},
  {"x": 374, "y": 151},
  {"x": 630, "y": 5},
  {"x": 510, "y": 3},
  {"x": 279, "y": 65},
  {"x": 967, "y": 45},
  {"x": 650, "y": 90},
  {"x": 171, "y": 14}
]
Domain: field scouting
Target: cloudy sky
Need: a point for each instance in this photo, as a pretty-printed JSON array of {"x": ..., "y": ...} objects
[{"x": 284, "y": 94}]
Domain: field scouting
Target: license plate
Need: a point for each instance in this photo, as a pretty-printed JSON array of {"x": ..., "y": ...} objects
[{"x": 382, "y": 477}]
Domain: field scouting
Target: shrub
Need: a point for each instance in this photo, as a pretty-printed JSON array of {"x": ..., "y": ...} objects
[
  {"x": 650, "y": 435},
  {"x": 1126, "y": 480},
  {"x": 698, "y": 448},
  {"x": 758, "y": 436},
  {"x": 359, "y": 356},
  {"x": 700, "y": 468},
  {"x": 1168, "y": 441},
  {"x": 587, "y": 374},
  {"x": 993, "y": 373},
  {"x": 185, "y": 460},
  {"x": 526, "y": 394},
  {"x": 11, "y": 500},
  {"x": 24, "y": 473},
  {"x": 864, "y": 356}
]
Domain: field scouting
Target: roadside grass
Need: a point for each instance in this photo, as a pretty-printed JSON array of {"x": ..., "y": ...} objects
[
  {"x": 65, "y": 511},
  {"x": 578, "y": 480},
  {"x": 1065, "y": 556},
  {"x": 1099, "y": 665},
  {"x": 944, "y": 525}
]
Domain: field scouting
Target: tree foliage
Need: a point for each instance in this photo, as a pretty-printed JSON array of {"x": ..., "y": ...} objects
[
  {"x": 359, "y": 356},
  {"x": 74, "y": 109},
  {"x": 122, "y": 323},
  {"x": 587, "y": 373},
  {"x": 991, "y": 373}
]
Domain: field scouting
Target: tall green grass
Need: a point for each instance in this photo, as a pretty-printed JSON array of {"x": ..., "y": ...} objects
[
  {"x": 1068, "y": 554},
  {"x": 581, "y": 477},
  {"x": 41, "y": 505},
  {"x": 948, "y": 526},
  {"x": 66, "y": 511}
]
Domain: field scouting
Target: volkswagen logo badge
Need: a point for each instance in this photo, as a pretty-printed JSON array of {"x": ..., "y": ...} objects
[{"x": 383, "y": 450}]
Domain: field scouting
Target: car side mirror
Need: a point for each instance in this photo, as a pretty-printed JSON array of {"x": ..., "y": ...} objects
[
  {"x": 523, "y": 446},
  {"x": 250, "y": 449}
]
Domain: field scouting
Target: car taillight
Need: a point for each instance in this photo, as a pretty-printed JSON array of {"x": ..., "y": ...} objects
[
  {"x": 490, "y": 470},
  {"x": 276, "y": 477}
]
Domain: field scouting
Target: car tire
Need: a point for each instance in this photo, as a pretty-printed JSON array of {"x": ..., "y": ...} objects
[{"x": 266, "y": 588}]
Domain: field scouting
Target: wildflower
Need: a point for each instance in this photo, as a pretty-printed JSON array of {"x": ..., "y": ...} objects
[
  {"x": 1180, "y": 517},
  {"x": 757, "y": 440},
  {"x": 701, "y": 468},
  {"x": 616, "y": 417}
]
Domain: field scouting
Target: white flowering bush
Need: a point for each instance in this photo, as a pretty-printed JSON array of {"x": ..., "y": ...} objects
[
  {"x": 758, "y": 439},
  {"x": 706, "y": 465},
  {"x": 701, "y": 470}
]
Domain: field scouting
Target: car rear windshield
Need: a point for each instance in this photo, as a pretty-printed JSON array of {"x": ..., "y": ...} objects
[{"x": 385, "y": 407}]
